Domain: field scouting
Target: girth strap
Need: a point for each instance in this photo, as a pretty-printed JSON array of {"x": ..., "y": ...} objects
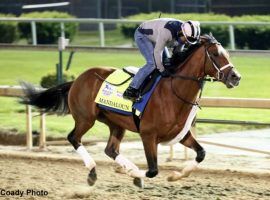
[{"x": 136, "y": 119}]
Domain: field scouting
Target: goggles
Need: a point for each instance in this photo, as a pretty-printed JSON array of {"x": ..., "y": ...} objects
[{"x": 190, "y": 40}]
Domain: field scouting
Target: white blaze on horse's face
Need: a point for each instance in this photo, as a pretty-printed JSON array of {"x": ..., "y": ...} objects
[
  {"x": 224, "y": 69},
  {"x": 222, "y": 51}
]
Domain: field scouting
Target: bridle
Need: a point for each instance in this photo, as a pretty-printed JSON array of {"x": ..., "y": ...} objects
[
  {"x": 220, "y": 73},
  {"x": 201, "y": 80}
]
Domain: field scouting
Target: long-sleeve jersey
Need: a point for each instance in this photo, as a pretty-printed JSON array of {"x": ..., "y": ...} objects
[{"x": 162, "y": 32}]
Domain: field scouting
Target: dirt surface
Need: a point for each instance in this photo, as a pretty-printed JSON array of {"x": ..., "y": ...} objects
[
  {"x": 67, "y": 180},
  {"x": 57, "y": 172}
]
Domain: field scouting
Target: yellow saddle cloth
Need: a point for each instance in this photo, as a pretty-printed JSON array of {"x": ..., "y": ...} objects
[{"x": 112, "y": 96}]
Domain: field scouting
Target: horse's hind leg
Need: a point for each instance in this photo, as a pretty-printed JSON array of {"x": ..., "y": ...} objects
[
  {"x": 74, "y": 137},
  {"x": 190, "y": 142}
]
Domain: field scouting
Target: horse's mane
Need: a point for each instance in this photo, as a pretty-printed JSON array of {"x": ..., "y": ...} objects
[
  {"x": 180, "y": 57},
  {"x": 208, "y": 38}
]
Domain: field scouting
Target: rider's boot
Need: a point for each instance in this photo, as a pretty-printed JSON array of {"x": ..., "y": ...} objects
[{"x": 131, "y": 94}]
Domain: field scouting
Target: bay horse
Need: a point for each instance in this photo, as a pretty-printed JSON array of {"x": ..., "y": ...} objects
[{"x": 164, "y": 118}]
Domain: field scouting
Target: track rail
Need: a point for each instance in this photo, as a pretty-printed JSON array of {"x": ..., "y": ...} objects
[{"x": 102, "y": 49}]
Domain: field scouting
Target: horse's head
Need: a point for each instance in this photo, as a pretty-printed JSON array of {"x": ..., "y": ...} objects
[{"x": 217, "y": 62}]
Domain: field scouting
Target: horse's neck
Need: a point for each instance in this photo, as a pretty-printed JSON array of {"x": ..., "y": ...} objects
[
  {"x": 187, "y": 89},
  {"x": 194, "y": 65}
]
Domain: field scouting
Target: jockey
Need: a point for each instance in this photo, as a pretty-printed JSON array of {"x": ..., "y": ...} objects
[{"x": 152, "y": 37}]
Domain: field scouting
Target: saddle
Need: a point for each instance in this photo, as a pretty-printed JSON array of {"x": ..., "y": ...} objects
[{"x": 147, "y": 83}]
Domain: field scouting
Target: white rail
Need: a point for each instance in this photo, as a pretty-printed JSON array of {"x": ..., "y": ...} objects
[
  {"x": 101, "y": 23},
  {"x": 16, "y": 91},
  {"x": 81, "y": 48}
]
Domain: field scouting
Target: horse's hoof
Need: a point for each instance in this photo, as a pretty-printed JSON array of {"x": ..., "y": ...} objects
[
  {"x": 92, "y": 177},
  {"x": 151, "y": 173},
  {"x": 175, "y": 176},
  {"x": 138, "y": 182},
  {"x": 91, "y": 180},
  {"x": 119, "y": 169}
]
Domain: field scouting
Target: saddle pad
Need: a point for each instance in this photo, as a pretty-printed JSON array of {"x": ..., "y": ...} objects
[
  {"x": 111, "y": 96},
  {"x": 140, "y": 106}
]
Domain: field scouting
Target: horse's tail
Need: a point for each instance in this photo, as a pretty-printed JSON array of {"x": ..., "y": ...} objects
[{"x": 53, "y": 100}]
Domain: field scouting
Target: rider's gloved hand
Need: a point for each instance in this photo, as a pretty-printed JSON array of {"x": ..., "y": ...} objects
[
  {"x": 165, "y": 73},
  {"x": 167, "y": 62}
]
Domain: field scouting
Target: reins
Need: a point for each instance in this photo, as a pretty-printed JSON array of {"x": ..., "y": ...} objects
[
  {"x": 114, "y": 84},
  {"x": 182, "y": 99},
  {"x": 200, "y": 80}
]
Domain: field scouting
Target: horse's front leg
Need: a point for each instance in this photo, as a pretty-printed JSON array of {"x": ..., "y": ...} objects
[
  {"x": 150, "y": 148},
  {"x": 190, "y": 142},
  {"x": 112, "y": 150}
]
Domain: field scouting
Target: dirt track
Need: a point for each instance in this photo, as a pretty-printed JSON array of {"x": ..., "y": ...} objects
[{"x": 66, "y": 180}]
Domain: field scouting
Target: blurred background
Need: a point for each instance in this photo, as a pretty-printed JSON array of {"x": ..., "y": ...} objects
[
  {"x": 238, "y": 35},
  {"x": 123, "y": 8}
]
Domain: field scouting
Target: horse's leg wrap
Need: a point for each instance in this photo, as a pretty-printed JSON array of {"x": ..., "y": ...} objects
[
  {"x": 130, "y": 168},
  {"x": 190, "y": 142},
  {"x": 194, "y": 164},
  {"x": 87, "y": 159}
]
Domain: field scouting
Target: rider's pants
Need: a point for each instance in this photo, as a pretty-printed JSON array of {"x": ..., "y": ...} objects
[{"x": 146, "y": 48}]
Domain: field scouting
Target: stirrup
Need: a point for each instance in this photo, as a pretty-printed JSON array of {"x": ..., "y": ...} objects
[
  {"x": 133, "y": 99},
  {"x": 139, "y": 99}
]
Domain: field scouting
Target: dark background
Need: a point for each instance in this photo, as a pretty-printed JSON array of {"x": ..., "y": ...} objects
[{"x": 123, "y": 8}]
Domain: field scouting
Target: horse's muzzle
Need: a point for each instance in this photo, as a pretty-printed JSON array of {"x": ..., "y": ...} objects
[{"x": 233, "y": 78}]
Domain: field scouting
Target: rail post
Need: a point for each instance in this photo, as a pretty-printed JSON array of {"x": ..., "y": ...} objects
[
  {"x": 29, "y": 137},
  {"x": 232, "y": 39},
  {"x": 34, "y": 33},
  {"x": 101, "y": 34},
  {"x": 185, "y": 153},
  {"x": 171, "y": 153},
  {"x": 62, "y": 43},
  {"x": 42, "y": 136},
  {"x": 62, "y": 27}
]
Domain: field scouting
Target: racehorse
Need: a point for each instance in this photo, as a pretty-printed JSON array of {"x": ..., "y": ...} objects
[{"x": 165, "y": 116}]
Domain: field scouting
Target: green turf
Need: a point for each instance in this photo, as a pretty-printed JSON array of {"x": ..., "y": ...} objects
[
  {"x": 92, "y": 38},
  {"x": 255, "y": 79},
  {"x": 32, "y": 65}
]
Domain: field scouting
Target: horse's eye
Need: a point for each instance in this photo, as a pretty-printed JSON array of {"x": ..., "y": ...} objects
[{"x": 216, "y": 54}]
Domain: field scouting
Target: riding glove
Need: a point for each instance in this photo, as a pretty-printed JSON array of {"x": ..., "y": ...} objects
[{"x": 165, "y": 73}]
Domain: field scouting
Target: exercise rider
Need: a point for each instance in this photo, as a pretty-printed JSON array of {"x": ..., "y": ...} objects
[{"x": 151, "y": 38}]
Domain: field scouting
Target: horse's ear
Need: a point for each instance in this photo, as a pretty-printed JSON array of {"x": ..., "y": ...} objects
[
  {"x": 202, "y": 39},
  {"x": 211, "y": 34}
]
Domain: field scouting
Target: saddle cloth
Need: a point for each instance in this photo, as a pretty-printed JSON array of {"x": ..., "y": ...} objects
[{"x": 110, "y": 95}]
